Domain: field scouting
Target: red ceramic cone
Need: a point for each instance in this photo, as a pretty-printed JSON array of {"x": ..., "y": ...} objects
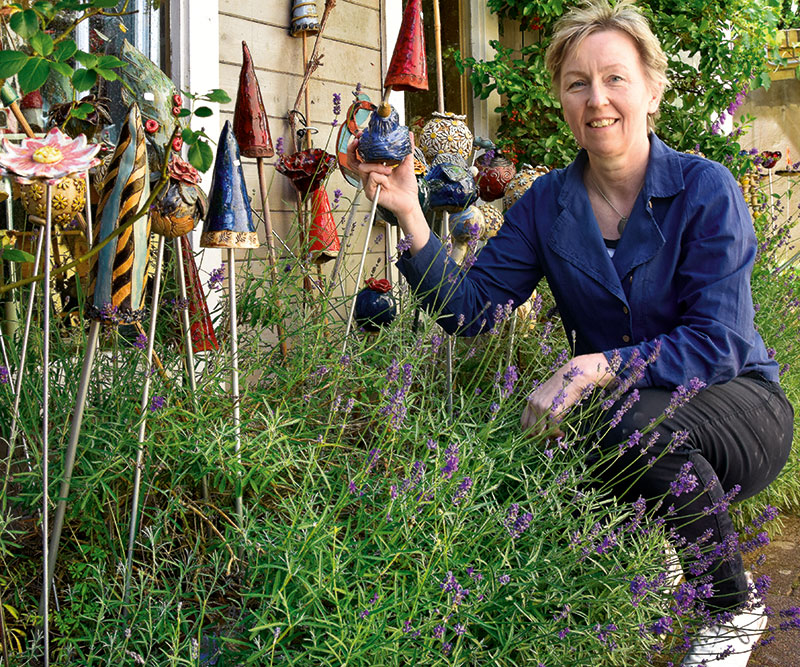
[
  {"x": 202, "y": 330},
  {"x": 250, "y": 125},
  {"x": 408, "y": 69},
  {"x": 322, "y": 234}
]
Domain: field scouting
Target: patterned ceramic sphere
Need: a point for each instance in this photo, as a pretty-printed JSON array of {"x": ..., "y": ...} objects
[
  {"x": 69, "y": 199},
  {"x": 446, "y": 133},
  {"x": 494, "y": 174},
  {"x": 520, "y": 183},
  {"x": 452, "y": 187},
  {"x": 493, "y": 221}
]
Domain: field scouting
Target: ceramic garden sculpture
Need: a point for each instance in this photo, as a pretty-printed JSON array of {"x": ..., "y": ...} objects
[
  {"x": 306, "y": 169},
  {"x": 452, "y": 187},
  {"x": 183, "y": 203},
  {"x": 495, "y": 172},
  {"x": 375, "y": 306},
  {"x": 493, "y": 221},
  {"x": 384, "y": 140},
  {"x": 408, "y": 69},
  {"x": 466, "y": 228},
  {"x": 323, "y": 237},
  {"x": 250, "y": 123},
  {"x": 446, "y": 133},
  {"x": 304, "y": 18},
  {"x": 519, "y": 185}
]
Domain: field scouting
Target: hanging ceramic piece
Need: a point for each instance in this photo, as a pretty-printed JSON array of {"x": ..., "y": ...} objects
[
  {"x": 119, "y": 270},
  {"x": 229, "y": 223},
  {"x": 446, "y": 133},
  {"x": 466, "y": 228},
  {"x": 493, "y": 221},
  {"x": 306, "y": 169},
  {"x": 322, "y": 233},
  {"x": 202, "y": 329},
  {"x": 304, "y": 18},
  {"x": 157, "y": 97},
  {"x": 250, "y": 123},
  {"x": 494, "y": 174},
  {"x": 356, "y": 119},
  {"x": 375, "y": 306},
  {"x": 384, "y": 140},
  {"x": 452, "y": 187},
  {"x": 182, "y": 205},
  {"x": 408, "y": 69},
  {"x": 519, "y": 185}
]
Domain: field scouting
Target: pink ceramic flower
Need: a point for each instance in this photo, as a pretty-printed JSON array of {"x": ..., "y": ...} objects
[{"x": 55, "y": 156}]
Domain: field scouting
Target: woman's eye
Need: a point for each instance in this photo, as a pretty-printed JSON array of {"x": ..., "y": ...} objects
[
  {"x": 574, "y": 84},
  {"x": 616, "y": 78}
]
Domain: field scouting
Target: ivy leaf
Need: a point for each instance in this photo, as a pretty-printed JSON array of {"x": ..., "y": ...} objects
[
  {"x": 15, "y": 255},
  {"x": 201, "y": 155},
  {"x": 84, "y": 79},
  {"x": 42, "y": 43},
  {"x": 203, "y": 112},
  {"x": 88, "y": 60},
  {"x": 12, "y": 62},
  {"x": 25, "y": 24},
  {"x": 64, "y": 50},
  {"x": 218, "y": 95},
  {"x": 34, "y": 74}
]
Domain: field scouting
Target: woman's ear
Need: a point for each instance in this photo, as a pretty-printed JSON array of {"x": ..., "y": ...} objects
[{"x": 657, "y": 90}]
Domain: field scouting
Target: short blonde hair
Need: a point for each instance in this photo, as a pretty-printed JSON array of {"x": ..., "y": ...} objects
[{"x": 597, "y": 15}]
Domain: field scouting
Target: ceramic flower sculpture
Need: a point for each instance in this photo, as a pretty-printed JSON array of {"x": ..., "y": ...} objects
[
  {"x": 119, "y": 271},
  {"x": 306, "y": 169},
  {"x": 375, "y": 306},
  {"x": 229, "y": 223}
]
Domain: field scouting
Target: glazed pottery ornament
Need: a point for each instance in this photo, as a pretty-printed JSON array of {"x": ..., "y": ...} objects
[
  {"x": 408, "y": 69},
  {"x": 493, "y": 221},
  {"x": 446, "y": 133},
  {"x": 452, "y": 187},
  {"x": 250, "y": 124},
  {"x": 466, "y": 230},
  {"x": 306, "y": 169},
  {"x": 322, "y": 232},
  {"x": 384, "y": 140},
  {"x": 69, "y": 199},
  {"x": 202, "y": 329},
  {"x": 770, "y": 158},
  {"x": 304, "y": 18},
  {"x": 229, "y": 223},
  {"x": 182, "y": 205},
  {"x": 356, "y": 119},
  {"x": 119, "y": 270},
  {"x": 494, "y": 174},
  {"x": 519, "y": 185},
  {"x": 375, "y": 306}
]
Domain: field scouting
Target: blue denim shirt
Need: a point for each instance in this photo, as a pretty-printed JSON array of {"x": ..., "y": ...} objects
[{"x": 679, "y": 278}]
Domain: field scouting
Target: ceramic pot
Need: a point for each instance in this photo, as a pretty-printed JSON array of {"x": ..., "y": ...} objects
[
  {"x": 494, "y": 174},
  {"x": 375, "y": 306},
  {"x": 446, "y": 133},
  {"x": 519, "y": 185},
  {"x": 69, "y": 199},
  {"x": 493, "y": 221}
]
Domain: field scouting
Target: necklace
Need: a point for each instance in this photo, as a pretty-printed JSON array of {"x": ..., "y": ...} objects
[{"x": 623, "y": 219}]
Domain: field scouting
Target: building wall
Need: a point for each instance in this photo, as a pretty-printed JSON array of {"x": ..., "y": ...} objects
[{"x": 351, "y": 50}]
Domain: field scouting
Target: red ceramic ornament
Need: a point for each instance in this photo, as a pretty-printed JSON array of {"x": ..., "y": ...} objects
[
  {"x": 322, "y": 233},
  {"x": 306, "y": 169},
  {"x": 250, "y": 125},
  {"x": 201, "y": 328},
  {"x": 408, "y": 69},
  {"x": 494, "y": 174}
]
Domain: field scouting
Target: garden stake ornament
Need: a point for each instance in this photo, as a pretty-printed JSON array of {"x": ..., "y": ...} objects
[
  {"x": 118, "y": 278},
  {"x": 251, "y": 128},
  {"x": 45, "y": 162},
  {"x": 229, "y": 225}
]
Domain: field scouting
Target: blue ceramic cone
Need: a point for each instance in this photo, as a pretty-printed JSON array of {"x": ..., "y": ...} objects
[{"x": 229, "y": 223}]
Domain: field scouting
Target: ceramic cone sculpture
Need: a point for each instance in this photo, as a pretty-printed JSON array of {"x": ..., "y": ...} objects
[
  {"x": 119, "y": 270},
  {"x": 203, "y": 337},
  {"x": 322, "y": 234},
  {"x": 229, "y": 223},
  {"x": 250, "y": 124},
  {"x": 408, "y": 69}
]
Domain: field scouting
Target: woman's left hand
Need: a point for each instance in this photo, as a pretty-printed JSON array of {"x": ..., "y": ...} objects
[{"x": 548, "y": 404}]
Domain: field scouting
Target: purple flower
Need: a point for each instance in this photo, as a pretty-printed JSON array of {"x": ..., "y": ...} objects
[
  {"x": 141, "y": 341},
  {"x": 662, "y": 626},
  {"x": 351, "y": 487},
  {"x": 462, "y": 491},
  {"x": 279, "y": 146},
  {"x": 404, "y": 244},
  {"x": 4, "y": 375},
  {"x": 364, "y": 614},
  {"x": 509, "y": 379},
  {"x": 459, "y": 629},
  {"x": 682, "y": 395},
  {"x": 157, "y": 403},
  {"x": 337, "y": 104},
  {"x": 685, "y": 481},
  {"x": 450, "y": 466},
  {"x": 372, "y": 458},
  {"x": 431, "y": 444},
  {"x": 563, "y": 633},
  {"x": 503, "y": 579},
  {"x": 216, "y": 277},
  {"x": 337, "y": 195},
  {"x": 438, "y": 631}
]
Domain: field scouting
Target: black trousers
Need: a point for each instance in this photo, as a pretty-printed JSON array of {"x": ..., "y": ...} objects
[{"x": 739, "y": 433}]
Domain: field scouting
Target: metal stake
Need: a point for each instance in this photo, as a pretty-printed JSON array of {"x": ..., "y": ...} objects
[
  {"x": 449, "y": 373},
  {"x": 137, "y": 474},
  {"x": 235, "y": 375},
  {"x": 46, "y": 423},
  {"x": 89, "y": 231}
]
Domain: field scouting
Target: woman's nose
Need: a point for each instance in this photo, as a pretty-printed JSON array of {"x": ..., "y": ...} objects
[{"x": 597, "y": 95}]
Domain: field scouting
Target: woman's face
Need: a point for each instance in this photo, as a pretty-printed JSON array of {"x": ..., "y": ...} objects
[{"x": 606, "y": 95}]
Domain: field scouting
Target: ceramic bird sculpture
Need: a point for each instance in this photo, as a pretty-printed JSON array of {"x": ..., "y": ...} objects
[
  {"x": 182, "y": 205},
  {"x": 119, "y": 270},
  {"x": 384, "y": 140},
  {"x": 229, "y": 223}
]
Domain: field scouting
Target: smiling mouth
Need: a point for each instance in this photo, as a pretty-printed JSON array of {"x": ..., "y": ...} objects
[{"x": 602, "y": 123}]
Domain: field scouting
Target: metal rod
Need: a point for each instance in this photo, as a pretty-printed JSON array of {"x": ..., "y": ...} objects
[
  {"x": 237, "y": 427},
  {"x": 24, "y": 352},
  {"x": 89, "y": 231},
  {"x": 137, "y": 473},
  {"x": 187, "y": 326},
  {"x": 72, "y": 444},
  {"x": 46, "y": 422},
  {"x": 262, "y": 184},
  {"x": 348, "y": 230},
  {"x": 449, "y": 348},
  {"x": 370, "y": 222}
]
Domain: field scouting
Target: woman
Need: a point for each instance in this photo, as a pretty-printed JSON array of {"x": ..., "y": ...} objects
[{"x": 648, "y": 253}]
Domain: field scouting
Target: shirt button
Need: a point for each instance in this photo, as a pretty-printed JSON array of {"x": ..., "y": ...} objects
[
  {"x": 625, "y": 309},
  {"x": 630, "y": 280},
  {"x": 626, "y": 338}
]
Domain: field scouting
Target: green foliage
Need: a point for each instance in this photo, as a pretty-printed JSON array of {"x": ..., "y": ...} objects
[{"x": 716, "y": 50}]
